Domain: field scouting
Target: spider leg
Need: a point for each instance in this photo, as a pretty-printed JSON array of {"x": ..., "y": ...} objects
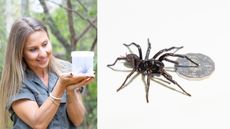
[
  {"x": 147, "y": 88},
  {"x": 169, "y": 77},
  {"x": 148, "y": 50},
  {"x": 160, "y": 80},
  {"x": 163, "y": 57},
  {"x": 123, "y": 84},
  {"x": 165, "y": 50},
  {"x": 172, "y": 61},
  {"x": 119, "y": 58},
  {"x": 138, "y": 46}
]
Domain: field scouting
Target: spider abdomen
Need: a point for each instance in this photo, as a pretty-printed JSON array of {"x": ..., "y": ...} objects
[{"x": 132, "y": 59}]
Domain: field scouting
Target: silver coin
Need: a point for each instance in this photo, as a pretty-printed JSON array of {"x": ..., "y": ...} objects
[{"x": 186, "y": 68}]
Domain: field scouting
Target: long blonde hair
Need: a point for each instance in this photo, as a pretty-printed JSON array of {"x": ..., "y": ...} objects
[{"x": 14, "y": 65}]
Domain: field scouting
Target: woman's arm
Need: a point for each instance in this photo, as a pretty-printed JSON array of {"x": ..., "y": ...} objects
[
  {"x": 75, "y": 106},
  {"x": 35, "y": 116},
  {"x": 40, "y": 117}
]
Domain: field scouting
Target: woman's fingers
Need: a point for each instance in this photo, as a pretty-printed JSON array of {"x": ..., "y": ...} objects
[
  {"x": 80, "y": 84},
  {"x": 86, "y": 81},
  {"x": 72, "y": 79}
]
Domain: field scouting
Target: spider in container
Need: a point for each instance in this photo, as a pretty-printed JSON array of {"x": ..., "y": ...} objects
[{"x": 153, "y": 66}]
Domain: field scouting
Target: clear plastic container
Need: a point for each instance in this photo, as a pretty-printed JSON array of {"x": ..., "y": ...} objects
[{"x": 82, "y": 62}]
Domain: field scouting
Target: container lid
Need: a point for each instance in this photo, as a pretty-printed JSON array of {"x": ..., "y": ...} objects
[{"x": 82, "y": 53}]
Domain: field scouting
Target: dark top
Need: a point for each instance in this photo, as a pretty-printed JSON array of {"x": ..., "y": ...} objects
[{"x": 34, "y": 89}]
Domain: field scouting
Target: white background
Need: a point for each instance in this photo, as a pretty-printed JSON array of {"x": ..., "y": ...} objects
[{"x": 201, "y": 26}]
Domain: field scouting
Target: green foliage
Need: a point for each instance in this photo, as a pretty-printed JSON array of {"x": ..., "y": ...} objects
[
  {"x": 90, "y": 100},
  {"x": 61, "y": 20},
  {"x": 2, "y": 36}
]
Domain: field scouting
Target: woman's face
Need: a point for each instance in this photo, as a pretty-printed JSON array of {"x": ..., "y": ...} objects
[{"x": 37, "y": 50}]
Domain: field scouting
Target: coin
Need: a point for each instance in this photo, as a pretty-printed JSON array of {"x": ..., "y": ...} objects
[{"x": 188, "y": 70}]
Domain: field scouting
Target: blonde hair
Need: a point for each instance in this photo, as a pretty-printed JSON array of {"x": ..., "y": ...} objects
[{"x": 14, "y": 65}]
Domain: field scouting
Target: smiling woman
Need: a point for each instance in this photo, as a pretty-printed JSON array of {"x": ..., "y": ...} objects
[
  {"x": 37, "y": 53},
  {"x": 34, "y": 88}
]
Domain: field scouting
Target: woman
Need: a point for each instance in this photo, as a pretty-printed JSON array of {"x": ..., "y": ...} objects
[{"x": 37, "y": 92}]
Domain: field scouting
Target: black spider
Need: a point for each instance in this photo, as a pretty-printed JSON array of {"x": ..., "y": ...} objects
[{"x": 153, "y": 66}]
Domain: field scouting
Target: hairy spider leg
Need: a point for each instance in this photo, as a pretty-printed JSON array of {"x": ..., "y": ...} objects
[
  {"x": 147, "y": 88},
  {"x": 138, "y": 46},
  {"x": 163, "y": 57},
  {"x": 119, "y": 58},
  {"x": 148, "y": 51},
  {"x": 123, "y": 84},
  {"x": 172, "y": 61},
  {"x": 165, "y": 50},
  {"x": 169, "y": 77}
]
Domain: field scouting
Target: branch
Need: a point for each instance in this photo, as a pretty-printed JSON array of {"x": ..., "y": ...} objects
[
  {"x": 82, "y": 5},
  {"x": 73, "y": 35},
  {"x": 53, "y": 26},
  {"x": 82, "y": 17},
  {"x": 86, "y": 29},
  {"x": 93, "y": 44}
]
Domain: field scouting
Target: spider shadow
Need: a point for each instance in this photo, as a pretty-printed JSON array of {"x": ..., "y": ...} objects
[
  {"x": 170, "y": 69},
  {"x": 130, "y": 50},
  {"x": 118, "y": 70},
  {"x": 160, "y": 81}
]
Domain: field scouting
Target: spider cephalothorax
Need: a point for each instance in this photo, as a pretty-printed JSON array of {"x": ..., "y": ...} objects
[{"x": 151, "y": 67}]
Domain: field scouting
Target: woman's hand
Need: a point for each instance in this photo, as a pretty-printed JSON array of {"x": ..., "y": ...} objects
[
  {"x": 71, "y": 81},
  {"x": 84, "y": 82}
]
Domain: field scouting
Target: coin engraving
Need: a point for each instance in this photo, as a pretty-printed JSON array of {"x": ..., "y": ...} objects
[{"x": 187, "y": 70}]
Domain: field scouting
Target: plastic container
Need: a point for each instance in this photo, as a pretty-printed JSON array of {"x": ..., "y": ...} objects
[{"x": 82, "y": 62}]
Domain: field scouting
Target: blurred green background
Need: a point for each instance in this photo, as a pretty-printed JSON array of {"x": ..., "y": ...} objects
[{"x": 72, "y": 26}]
